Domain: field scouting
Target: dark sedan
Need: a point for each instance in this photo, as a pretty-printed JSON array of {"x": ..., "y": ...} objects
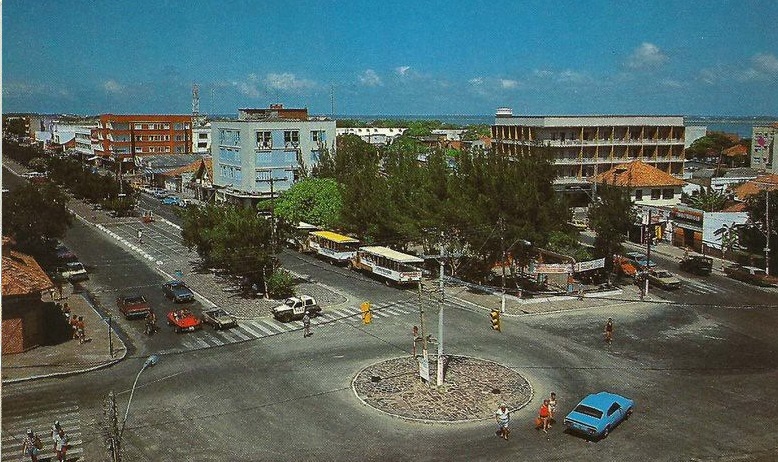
[{"x": 178, "y": 292}]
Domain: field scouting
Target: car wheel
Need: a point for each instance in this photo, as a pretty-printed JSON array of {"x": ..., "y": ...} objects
[{"x": 286, "y": 317}]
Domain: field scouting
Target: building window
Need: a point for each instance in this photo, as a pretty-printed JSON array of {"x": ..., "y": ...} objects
[
  {"x": 264, "y": 140},
  {"x": 317, "y": 136},
  {"x": 202, "y": 136},
  {"x": 291, "y": 138},
  {"x": 202, "y": 145},
  {"x": 138, "y": 126},
  {"x": 668, "y": 193},
  {"x": 263, "y": 176},
  {"x": 656, "y": 194},
  {"x": 639, "y": 195},
  {"x": 166, "y": 126},
  {"x": 179, "y": 137}
]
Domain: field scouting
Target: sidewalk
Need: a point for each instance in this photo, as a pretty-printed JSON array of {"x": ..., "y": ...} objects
[{"x": 68, "y": 357}]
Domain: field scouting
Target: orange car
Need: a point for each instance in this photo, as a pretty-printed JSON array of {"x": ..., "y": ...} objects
[{"x": 183, "y": 320}]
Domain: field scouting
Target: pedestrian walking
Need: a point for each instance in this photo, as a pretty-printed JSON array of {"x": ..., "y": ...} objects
[
  {"x": 32, "y": 446},
  {"x": 140, "y": 236},
  {"x": 74, "y": 325},
  {"x": 503, "y": 417},
  {"x": 80, "y": 330},
  {"x": 552, "y": 409},
  {"x": 609, "y": 331},
  {"x": 54, "y": 432},
  {"x": 61, "y": 445},
  {"x": 306, "y": 325},
  {"x": 544, "y": 414}
]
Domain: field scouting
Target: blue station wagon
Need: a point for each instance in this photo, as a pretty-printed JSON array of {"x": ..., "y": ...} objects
[{"x": 599, "y": 413}]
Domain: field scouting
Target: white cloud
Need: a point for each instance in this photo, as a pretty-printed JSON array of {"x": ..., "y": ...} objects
[
  {"x": 508, "y": 83},
  {"x": 476, "y": 81},
  {"x": 646, "y": 56},
  {"x": 402, "y": 70},
  {"x": 765, "y": 62},
  {"x": 542, "y": 73},
  {"x": 370, "y": 78},
  {"x": 571, "y": 76},
  {"x": 287, "y": 81},
  {"x": 112, "y": 86}
]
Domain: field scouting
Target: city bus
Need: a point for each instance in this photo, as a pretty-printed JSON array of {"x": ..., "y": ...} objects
[
  {"x": 335, "y": 247},
  {"x": 392, "y": 266}
]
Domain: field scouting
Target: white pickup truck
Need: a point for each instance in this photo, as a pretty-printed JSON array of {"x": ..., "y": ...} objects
[{"x": 295, "y": 308}]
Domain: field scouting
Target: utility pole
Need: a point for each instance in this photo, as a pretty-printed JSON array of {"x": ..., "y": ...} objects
[
  {"x": 767, "y": 237},
  {"x": 648, "y": 253},
  {"x": 502, "y": 244},
  {"x": 111, "y": 429},
  {"x": 440, "y": 310}
]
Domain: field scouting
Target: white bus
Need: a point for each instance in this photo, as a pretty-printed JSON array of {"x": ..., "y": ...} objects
[
  {"x": 333, "y": 246},
  {"x": 393, "y": 266}
]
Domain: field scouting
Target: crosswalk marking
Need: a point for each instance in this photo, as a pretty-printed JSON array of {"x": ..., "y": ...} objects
[
  {"x": 245, "y": 326},
  {"x": 237, "y": 333},
  {"x": 39, "y": 418},
  {"x": 261, "y": 327}
]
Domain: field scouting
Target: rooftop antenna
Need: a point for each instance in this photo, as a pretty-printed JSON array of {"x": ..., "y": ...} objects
[
  {"x": 332, "y": 101},
  {"x": 195, "y": 100}
]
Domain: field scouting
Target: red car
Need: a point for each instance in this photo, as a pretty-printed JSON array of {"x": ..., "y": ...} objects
[{"x": 183, "y": 320}]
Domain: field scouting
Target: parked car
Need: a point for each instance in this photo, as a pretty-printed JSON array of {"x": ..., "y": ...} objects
[
  {"x": 219, "y": 319},
  {"x": 74, "y": 271},
  {"x": 663, "y": 279},
  {"x": 183, "y": 320},
  {"x": 599, "y": 413},
  {"x": 133, "y": 306},
  {"x": 751, "y": 275},
  {"x": 170, "y": 200},
  {"x": 178, "y": 292},
  {"x": 295, "y": 308},
  {"x": 159, "y": 193},
  {"x": 64, "y": 254},
  {"x": 696, "y": 264},
  {"x": 640, "y": 260}
]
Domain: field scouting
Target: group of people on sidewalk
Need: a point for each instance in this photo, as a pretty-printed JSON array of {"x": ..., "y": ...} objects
[
  {"x": 544, "y": 420},
  {"x": 32, "y": 444},
  {"x": 77, "y": 324}
]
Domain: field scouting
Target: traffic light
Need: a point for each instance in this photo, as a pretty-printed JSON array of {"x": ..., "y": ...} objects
[
  {"x": 495, "y": 318},
  {"x": 367, "y": 315}
]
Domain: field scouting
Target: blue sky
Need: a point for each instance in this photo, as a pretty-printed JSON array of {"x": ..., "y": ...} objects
[{"x": 712, "y": 57}]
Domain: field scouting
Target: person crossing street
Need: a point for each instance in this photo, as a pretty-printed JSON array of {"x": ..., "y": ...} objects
[
  {"x": 307, "y": 325},
  {"x": 503, "y": 417}
]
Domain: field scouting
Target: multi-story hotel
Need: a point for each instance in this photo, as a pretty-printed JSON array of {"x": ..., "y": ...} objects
[
  {"x": 261, "y": 153},
  {"x": 584, "y": 146},
  {"x": 763, "y": 147},
  {"x": 124, "y": 136}
]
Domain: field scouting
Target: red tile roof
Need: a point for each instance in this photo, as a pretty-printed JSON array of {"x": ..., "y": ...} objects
[
  {"x": 757, "y": 185},
  {"x": 736, "y": 150},
  {"x": 637, "y": 174},
  {"x": 22, "y": 275}
]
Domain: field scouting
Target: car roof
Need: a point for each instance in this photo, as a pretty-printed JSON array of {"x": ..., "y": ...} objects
[{"x": 602, "y": 400}]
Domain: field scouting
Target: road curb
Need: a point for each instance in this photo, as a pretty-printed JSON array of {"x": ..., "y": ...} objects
[{"x": 102, "y": 365}]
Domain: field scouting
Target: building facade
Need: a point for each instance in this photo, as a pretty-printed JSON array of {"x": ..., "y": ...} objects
[
  {"x": 763, "y": 148},
  {"x": 124, "y": 136},
  {"x": 585, "y": 146},
  {"x": 201, "y": 139},
  {"x": 263, "y": 152},
  {"x": 378, "y": 136}
]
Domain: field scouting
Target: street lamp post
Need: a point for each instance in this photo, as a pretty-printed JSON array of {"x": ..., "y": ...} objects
[{"x": 150, "y": 361}]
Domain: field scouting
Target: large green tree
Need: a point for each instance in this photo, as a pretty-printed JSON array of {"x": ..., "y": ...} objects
[
  {"x": 312, "y": 200},
  {"x": 611, "y": 216},
  {"x": 35, "y": 214}
]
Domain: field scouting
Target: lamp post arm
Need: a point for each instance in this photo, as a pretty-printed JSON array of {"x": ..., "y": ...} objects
[{"x": 132, "y": 392}]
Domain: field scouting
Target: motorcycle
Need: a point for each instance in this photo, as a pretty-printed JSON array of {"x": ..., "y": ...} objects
[{"x": 151, "y": 327}]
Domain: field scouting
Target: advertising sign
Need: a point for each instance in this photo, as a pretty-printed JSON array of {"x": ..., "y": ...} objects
[{"x": 589, "y": 265}]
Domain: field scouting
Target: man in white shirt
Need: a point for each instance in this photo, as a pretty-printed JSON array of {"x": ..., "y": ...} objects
[{"x": 503, "y": 416}]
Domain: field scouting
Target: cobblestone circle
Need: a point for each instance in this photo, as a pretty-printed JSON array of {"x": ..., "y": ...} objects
[{"x": 472, "y": 390}]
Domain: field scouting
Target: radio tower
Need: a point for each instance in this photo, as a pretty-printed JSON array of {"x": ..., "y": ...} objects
[{"x": 196, "y": 118}]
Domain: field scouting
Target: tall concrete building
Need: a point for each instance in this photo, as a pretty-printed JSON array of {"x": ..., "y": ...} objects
[
  {"x": 763, "y": 148},
  {"x": 125, "y": 136},
  {"x": 584, "y": 146},
  {"x": 263, "y": 151}
]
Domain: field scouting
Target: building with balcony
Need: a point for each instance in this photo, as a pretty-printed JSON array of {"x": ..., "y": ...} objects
[
  {"x": 263, "y": 151},
  {"x": 125, "y": 136},
  {"x": 763, "y": 148},
  {"x": 585, "y": 146}
]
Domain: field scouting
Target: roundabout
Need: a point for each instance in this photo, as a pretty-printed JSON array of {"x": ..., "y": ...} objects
[{"x": 472, "y": 390}]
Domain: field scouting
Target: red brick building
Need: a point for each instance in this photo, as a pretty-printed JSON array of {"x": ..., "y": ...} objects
[
  {"x": 125, "y": 136},
  {"x": 24, "y": 314}
]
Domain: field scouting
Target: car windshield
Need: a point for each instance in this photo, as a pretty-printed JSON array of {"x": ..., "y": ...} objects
[
  {"x": 590, "y": 411},
  {"x": 75, "y": 266},
  {"x": 289, "y": 302},
  {"x": 218, "y": 313}
]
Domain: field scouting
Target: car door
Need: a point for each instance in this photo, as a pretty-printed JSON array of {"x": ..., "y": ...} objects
[
  {"x": 299, "y": 308},
  {"x": 614, "y": 414}
]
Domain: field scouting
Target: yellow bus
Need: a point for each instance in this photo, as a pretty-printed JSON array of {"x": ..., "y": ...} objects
[
  {"x": 391, "y": 265},
  {"x": 333, "y": 246}
]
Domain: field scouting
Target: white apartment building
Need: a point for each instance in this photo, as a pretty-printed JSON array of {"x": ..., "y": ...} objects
[
  {"x": 763, "y": 148},
  {"x": 584, "y": 146},
  {"x": 261, "y": 153},
  {"x": 201, "y": 139},
  {"x": 377, "y": 136}
]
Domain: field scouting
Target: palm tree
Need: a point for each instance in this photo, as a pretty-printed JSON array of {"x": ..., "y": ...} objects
[
  {"x": 709, "y": 200},
  {"x": 730, "y": 237}
]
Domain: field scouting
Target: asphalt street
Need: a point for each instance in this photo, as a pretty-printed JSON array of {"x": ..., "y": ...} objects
[{"x": 699, "y": 362}]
